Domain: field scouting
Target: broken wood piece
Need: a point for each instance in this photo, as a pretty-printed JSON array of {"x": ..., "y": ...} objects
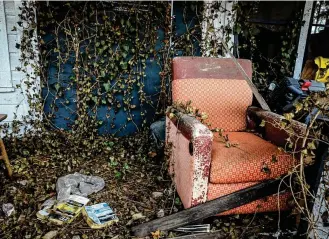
[
  {"x": 2, "y": 117},
  {"x": 211, "y": 235},
  {"x": 209, "y": 208},
  {"x": 194, "y": 228},
  {"x": 5, "y": 158}
]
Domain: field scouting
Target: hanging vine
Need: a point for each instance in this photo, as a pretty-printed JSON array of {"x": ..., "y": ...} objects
[
  {"x": 96, "y": 69},
  {"x": 266, "y": 70}
]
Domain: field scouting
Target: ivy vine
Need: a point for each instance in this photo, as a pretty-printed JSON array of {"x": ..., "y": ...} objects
[{"x": 85, "y": 67}]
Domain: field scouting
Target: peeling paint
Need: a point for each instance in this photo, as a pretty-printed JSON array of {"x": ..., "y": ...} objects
[{"x": 202, "y": 159}]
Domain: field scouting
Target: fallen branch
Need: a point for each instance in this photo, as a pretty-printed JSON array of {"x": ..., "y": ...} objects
[{"x": 209, "y": 208}]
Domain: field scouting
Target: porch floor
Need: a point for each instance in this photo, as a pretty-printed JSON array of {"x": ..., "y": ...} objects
[{"x": 129, "y": 185}]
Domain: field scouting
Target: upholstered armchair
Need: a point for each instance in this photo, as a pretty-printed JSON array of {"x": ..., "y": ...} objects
[{"x": 203, "y": 167}]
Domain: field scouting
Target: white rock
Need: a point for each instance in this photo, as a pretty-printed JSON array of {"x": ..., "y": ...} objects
[
  {"x": 137, "y": 216},
  {"x": 160, "y": 213},
  {"x": 156, "y": 195},
  {"x": 50, "y": 235},
  {"x": 23, "y": 182},
  {"x": 8, "y": 209}
]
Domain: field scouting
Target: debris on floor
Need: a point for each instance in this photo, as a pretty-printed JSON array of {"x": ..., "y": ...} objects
[
  {"x": 62, "y": 212},
  {"x": 78, "y": 184},
  {"x": 50, "y": 235},
  {"x": 45, "y": 209},
  {"x": 99, "y": 215},
  {"x": 131, "y": 195},
  {"x": 8, "y": 209},
  {"x": 194, "y": 228},
  {"x": 160, "y": 213},
  {"x": 157, "y": 133},
  {"x": 157, "y": 195},
  {"x": 66, "y": 212}
]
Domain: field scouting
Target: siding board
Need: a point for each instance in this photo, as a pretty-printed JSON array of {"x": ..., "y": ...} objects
[{"x": 12, "y": 101}]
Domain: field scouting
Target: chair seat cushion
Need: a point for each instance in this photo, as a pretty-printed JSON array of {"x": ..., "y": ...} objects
[
  {"x": 248, "y": 159},
  {"x": 267, "y": 204}
]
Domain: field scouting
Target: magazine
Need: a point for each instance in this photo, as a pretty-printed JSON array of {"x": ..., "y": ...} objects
[
  {"x": 64, "y": 212},
  {"x": 99, "y": 215}
]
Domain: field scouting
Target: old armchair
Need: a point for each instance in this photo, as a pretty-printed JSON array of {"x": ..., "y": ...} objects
[{"x": 202, "y": 166}]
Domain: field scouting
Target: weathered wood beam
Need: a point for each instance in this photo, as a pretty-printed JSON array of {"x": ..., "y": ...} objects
[
  {"x": 304, "y": 32},
  {"x": 209, "y": 208}
]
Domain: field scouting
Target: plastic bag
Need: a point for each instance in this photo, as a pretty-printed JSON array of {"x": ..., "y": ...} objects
[{"x": 78, "y": 184}]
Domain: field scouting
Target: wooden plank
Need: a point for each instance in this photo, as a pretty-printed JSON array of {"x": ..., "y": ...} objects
[
  {"x": 209, "y": 208},
  {"x": 10, "y": 8},
  {"x": 211, "y": 235},
  {"x": 5, "y": 76},
  {"x": 14, "y": 60},
  {"x": 304, "y": 30},
  {"x": 11, "y": 22},
  {"x": 5, "y": 158},
  {"x": 12, "y": 41},
  {"x": 11, "y": 98},
  {"x": 6, "y": 90}
]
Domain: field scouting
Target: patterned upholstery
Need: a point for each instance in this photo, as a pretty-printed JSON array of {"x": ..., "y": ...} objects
[
  {"x": 252, "y": 159},
  {"x": 262, "y": 205},
  {"x": 225, "y": 101}
]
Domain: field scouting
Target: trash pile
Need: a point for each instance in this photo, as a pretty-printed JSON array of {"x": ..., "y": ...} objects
[{"x": 72, "y": 191}]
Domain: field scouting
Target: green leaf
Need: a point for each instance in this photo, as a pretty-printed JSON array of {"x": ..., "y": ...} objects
[
  {"x": 262, "y": 124},
  {"x": 107, "y": 87},
  {"x": 125, "y": 47},
  {"x": 311, "y": 145},
  {"x": 117, "y": 174},
  {"x": 57, "y": 86},
  {"x": 126, "y": 166}
]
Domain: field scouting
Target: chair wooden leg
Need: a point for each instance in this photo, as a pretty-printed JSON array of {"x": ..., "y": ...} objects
[{"x": 5, "y": 158}]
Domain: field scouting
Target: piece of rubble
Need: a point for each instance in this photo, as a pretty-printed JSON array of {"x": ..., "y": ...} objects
[
  {"x": 160, "y": 213},
  {"x": 8, "y": 209},
  {"x": 157, "y": 195},
  {"x": 50, "y": 235},
  {"x": 23, "y": 182}
]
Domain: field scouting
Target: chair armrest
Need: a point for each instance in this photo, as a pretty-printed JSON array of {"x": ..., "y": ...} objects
[
  {"x": 272, "y": 131},
  {"x": 190, "y": 144},
  {"x": 189, "y": 126}
]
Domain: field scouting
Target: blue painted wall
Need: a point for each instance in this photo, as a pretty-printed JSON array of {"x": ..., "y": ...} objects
[{"x": 113, "y": 122}]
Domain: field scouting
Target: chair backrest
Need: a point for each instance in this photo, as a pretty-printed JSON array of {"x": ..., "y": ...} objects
[{"x": 215, "y": 86}]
